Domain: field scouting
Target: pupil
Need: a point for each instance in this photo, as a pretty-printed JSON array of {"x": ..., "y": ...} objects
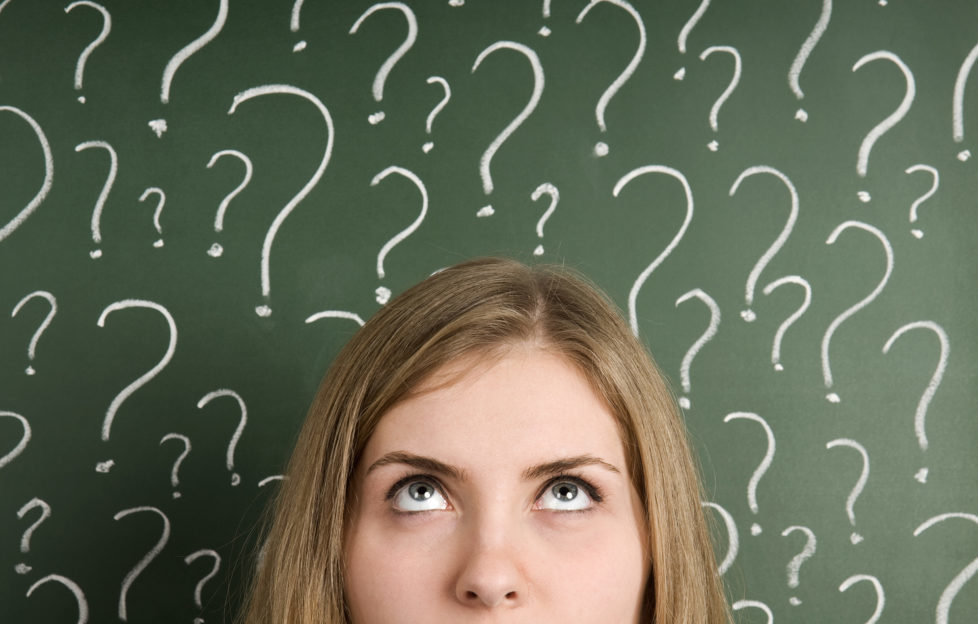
[
  {"x": 565, "y": 491},
  {"x": 420, "y": 491}
]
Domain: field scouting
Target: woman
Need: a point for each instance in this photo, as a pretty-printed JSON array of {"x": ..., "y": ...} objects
[{"x": 494, "y": 445}]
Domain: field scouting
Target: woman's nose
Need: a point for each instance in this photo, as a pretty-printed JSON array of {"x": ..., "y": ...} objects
[{"x": 491, "y": 575}]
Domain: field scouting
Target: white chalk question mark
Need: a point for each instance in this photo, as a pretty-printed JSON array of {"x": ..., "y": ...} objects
[
  {"x": 32, "y": 347},
  {"x": 153, "y": 190},
  {"x": 39, "y": 197},
  {"x": 755, "y": 528},
  {"x": 126, "y": 392},
  {"x": 733, "y": 537},
  {"x": 437, "y": 109},
  {"x": 382, "y": 292},
  {"x": 952, "y": 588},
  {"x": 73, "y": 587},
  {"x": 294, "y": 25},
  {"x": 266, "y": 250},
  {"x": 174, "y": 472},
  {"x": 601, "y": 148},
  {"x": 684, "y": 34},
  {"x": 381, "y": 78},
  {"x": 242, "y": 422},
  {"x": 25, "y": 540},
  {"x": 827, "y": 338},
  {"x": 794, "y": 72},
  {"x": 933, "y": 189},
  {"x": 957, "y": 101},
  {"x": 880, "y": 595},
  {"x": 788, "y": 322},
  {"x": 707, "y": 335},
  {"x": 754, "y": 604},
  {"x": 544, "y": 30},
  {"x": 551, "y": 190},
  {"x": 24, "y": 439},
  {"x": 794, "y": 566},
  {"x": 335, "y": 314},
  {"x": 855, "y": 538},
  {"x": 935, "y": 381},
  {"x": 103, "y": 194},
  {"x": 538, "y": 84},
  {"x": 83, "y": 58},
  {"x": 199, "y": 588},
  {"x": 715, "y": 110},
  {"x": 147, "y": 558},
  {"x": 216, "y": 249},
  {"x": 640, "y": 281}
]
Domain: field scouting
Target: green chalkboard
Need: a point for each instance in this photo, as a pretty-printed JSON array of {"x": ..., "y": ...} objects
[{"x": 804, "y": 165}]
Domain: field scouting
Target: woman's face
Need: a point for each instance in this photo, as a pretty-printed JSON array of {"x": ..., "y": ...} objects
[{"x": 501, "y": 497}]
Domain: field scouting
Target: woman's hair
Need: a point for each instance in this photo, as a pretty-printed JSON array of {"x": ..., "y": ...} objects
[{"x": 481, "y": 307}]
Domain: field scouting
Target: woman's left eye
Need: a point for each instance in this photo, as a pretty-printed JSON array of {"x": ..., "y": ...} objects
[{"x": 565, "y": 495}]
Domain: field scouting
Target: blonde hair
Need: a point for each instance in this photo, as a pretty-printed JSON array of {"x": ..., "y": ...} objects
[{"x": 476, "y": 307}]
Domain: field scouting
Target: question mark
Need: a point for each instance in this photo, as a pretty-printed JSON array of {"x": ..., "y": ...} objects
[
  {"x": 933, "y": 189},
  {"x": 216, "y": 249},
  {"x": 32, "y": 205},
  {"x": 32, "y": 347},
  {"x": 544, "y": 30},
  {"x": 637, "y": 286},
  {"x": 827, "y": 338},
  {"x": 158, "y": 126},
  {"x": 294, "y": 25},
  {"x": 794, "y": 566},
  {"x": 952, "y": 589},
  {"x": 73, "y": 587},
  {"x": 224, "y": 392},
  {"x": 755, "y": 528},
  {"x": 932, "y": 386},
  {"x": 437, "y": 109},
  {"x": 788, "y": 322},
  {"x": 83, "y": 58},
  {"x": 25, "y": 541},
  {"x": 335, "y": 314},
  {"x": 24, "y": 439},
  {"x": 755, "y": 604},
  {"x": 957, "y": 104},
  {"x": 855, "y": 538},
  {"x": 733, "y": 538},
  {"x": 715, "y": 110},
  {"x": 159, "y": 210},
  {"x": 147, "y": 558},
  {"x": 104, "y": 194},
  {"x": 802, "y": 57},
  {"x": 880, "y": 595},
  {"x": 382, "y": 292},
  {"x": 381, "y": 78},
  {"x": 551, "y": 190},
  {"x": 203, "y": 552},
  {"x": 538, "y": 83},
  {"x": 266, "y": 250},
  {"x": 174, "y": 479},
  {"x": 601, "y": 148},
  {"x": 702, "y": 340},
  {"x": 684, "y": 34},
  {"x": 110, "y": 413}
]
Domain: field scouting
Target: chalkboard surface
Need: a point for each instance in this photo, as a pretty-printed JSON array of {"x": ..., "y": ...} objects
[{"x": 202, "y": 199}]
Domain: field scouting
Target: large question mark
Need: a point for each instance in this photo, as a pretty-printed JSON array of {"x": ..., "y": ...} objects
[
  {"x": 242, "y": 421},
  {"x": 794, "y": 566},
  {"x": 545, "y": 189},
  {"x": 153, "y": 190},
  {"x": 952, "y": 589},
  {"x": 198, "y": 590},
  {"x": 755, "y": 528},
  {"x": 73, "y": 587},
  {"x": 382, "y": 292},
  {"x": 110, "y": 413},
  {"x": 538, "y": 83},
  {"x": 827, "y": 338},
  {"x": 294, "y": 24},
  {"x": 935, "y": 381},
  {"x": 24, "y": 438},
  {"x": 748, "y": 314},
  {"x": 147, "y": 558},
  {"x": 35, "y": 201},
  {"x": 855, "y": 538},
  {"x": 335, "y": 314},
  {"x": 637, "y": 286},
  {"x": 216, "y": 249},
  {"x": 754, "y": 604},
  {"x": 802, "y": 57},
  {"x": 707, "y": 335},
  {"x": 880, "y": 595},
  {"x": 684, "y": 34},
  {"x": 715, "y": 110},
  {"x": 733, "y": 537},
  {"x": 174, "y": 477},
  {"x": 437, "y": 109},
  {"x": 381, "y": 78},
  {"x": 25, "y": 540},
  {"x": 933, "y": 189},
  {"x": 601, "y": 148},
  {"x": 32, "y": 347},
  {"x": 788, "y": 322},
  {"x": 83, "y": 57},
  {"x": 159, "y": 125},
  {"x": 266, "y": 250},
  {"x": 957, "y": 102},
  {"x": 103, "y": 194}
]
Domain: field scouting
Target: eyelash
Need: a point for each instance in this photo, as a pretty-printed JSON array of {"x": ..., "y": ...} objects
[{"x": 593, "y": 491}]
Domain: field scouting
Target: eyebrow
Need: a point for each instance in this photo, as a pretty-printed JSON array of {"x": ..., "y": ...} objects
[{"x": 546, "y": 469}]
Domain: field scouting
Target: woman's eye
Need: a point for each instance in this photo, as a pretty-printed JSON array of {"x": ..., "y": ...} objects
[
  {"x": 565, "y": 496},
  {"x": 419, "y": 496}
]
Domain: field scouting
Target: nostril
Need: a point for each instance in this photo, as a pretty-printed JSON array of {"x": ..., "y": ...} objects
[{"x": 511, "y": 595}]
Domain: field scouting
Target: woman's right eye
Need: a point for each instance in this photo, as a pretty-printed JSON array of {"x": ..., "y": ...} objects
[{"x": 419, "y": 495}]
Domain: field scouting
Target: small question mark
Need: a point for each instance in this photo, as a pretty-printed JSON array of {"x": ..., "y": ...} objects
[
  {"x": 25, "y": 540},
  {"x": 381, "y": 78},
  {"x": 437, "y": 109},
  {"x": 174, "y": 479},
  {"x": 24, "y": 439},
  {"x": 294, "y": 24},
  {"x": 549, "y": 189},
  {"x": 73, "y": 587},
  {"x": 684, "y": 34},
  {"x": 538, "y": 84},
  {"x": 733, "y": 537},
  {"x": 754, "y": 604},
  {"x": 159, "y": 210},
  {"x": 957, "y": 104},
  {"x": 242, "y": 421},
  {"x": 952, "y": 589},
  {"x": 147, "y": 558},
  {"x": 880, "y": 595},
  {"x": 707, "y": 335},
  {"x": 802, "y": 57},
  {"x": 855, "y": 538},
  {"x": 794, "y": 566},
  {"x": 103, "y": 194},
  {"x": 755, "y": 528},
  {"x": 933, "y": 189},
  {"x": 216, "y": 249},
  {"x": 715, "y": 110},
  {"x": 788, "y": 322},
  {"x": 83, "y": 58},
  {"x": 383, "y": 293},
  {"x": 203, "y": 552},
  {"x": 158, "y": 126},
  {"x": 544, "y": 30},
  {"x": 32, "y": 347},
  {"x": 32, "y": 205},
  {"x": 935, "y": 381}
]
